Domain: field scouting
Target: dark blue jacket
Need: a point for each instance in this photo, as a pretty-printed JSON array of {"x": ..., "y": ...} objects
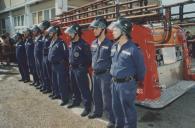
[
  {"x": 38, "y": 50},
  {"x": 46, "y": 44},
  {"x": 101, "y": 59},
  {"x": 20, "y": 51},
  {"x": 128, "y": 61},
  {"x": 29, "y": 45},
  {"x": 79, "y": 54},
  {"x": 58, "y": 52}
]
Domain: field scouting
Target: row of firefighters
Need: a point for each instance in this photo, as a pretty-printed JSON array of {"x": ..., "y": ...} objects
[{"x": 63, "y": 70}]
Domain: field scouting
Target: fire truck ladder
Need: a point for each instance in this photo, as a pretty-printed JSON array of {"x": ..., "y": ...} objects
[{"x": 136, "y": 10}]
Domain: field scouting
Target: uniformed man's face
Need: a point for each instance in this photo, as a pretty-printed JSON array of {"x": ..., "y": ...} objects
[
  {"x": 35, "y": 33},
  {"x": 17, "y": 39},
  {"x": 51, "y": 35},
  {"x": 97, "y": 31},
  {"x": 24, "y": 37},
  {"x": 46, "y": 33},
  {"x": 116, "y": 32},
  {"x": 25, "y": 34},
  {"x": 71, "y": 35}
]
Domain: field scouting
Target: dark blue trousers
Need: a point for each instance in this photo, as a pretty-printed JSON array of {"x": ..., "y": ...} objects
[
  {"x": 23, "y": 69},
  {"x": 39, "y": 69},
  {"x": 102, "y": 95},
  {"x": 123, "y": 104},
  {"x": 32, "y": 67},
  {"x": 80, "y": 86},
  {"x": 46, "y": 73},
  {"x": 60, "y": 81}
]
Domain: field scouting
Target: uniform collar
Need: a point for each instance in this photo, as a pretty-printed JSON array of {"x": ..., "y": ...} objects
[
  {"x": 75, "y": 43},
  {"x": 100, "y": 44},
  {"x": 123, "y": 46},
  {"x": 21, "y": 42},
  {"x": 37, "y": 37},
  {"x": 53, "y": 41}
]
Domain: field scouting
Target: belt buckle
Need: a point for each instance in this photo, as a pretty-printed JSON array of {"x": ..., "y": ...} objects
[
  {"x": 127, "y": 79},
  {"x": 113, "y": 79}
]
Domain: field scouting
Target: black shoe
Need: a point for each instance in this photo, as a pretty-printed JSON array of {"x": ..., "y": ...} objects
[
  {"x": 55, "y": 97},
  {"x": 85, "y": 113},
  {"x": 26, "y": 81},
  {"x": 52, "y": 95},
  {"x": 36, "y": 84},
  {"x": 72, "y": 105},
  {"x": 46, "y": 91},
  {"x": 93, "y": 115},
  {"x": 38, "y": 87},
  {"x": 42, "y": 90},
  {"x": 110, "y": 125},
  {"x": 33, "y": 83},
  {"x": 21, "y": 80},
  {"x": 64, "y": 103}
]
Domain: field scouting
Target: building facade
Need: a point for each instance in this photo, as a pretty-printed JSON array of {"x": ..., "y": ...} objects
[{"x": 16, "y": 15}]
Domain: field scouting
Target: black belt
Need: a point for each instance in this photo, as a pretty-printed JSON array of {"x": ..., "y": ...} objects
[
  {"x": 58, "y": 62},
  {"x": 99, "y": 72},
  {"x": 122, "y": 80},
  {"x": 76, "y": 65}
]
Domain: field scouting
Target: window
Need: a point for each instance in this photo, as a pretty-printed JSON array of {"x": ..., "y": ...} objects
[
  {"x": 46, "y": 15},
  {"x": 2, "y": 26},
  {"x": 34, "y": 18},
  {"x": 3, "y": 23},
  {"x": 40, "y": 16},
  {"x": 53, "y": 13},
  {"x": 22, "y": 20},
  {"x": 19, "y": 20},
  {"x": 15, "y": 21}
]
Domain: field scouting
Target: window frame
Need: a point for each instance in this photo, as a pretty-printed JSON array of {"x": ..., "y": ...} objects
[
  {"x": 43, "y": 14},
  {"x": 2, "y": 28},
  {"x": 18, "y": 20}
]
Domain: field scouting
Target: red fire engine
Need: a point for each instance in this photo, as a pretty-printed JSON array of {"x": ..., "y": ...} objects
[{"x": 163, "y": 44}]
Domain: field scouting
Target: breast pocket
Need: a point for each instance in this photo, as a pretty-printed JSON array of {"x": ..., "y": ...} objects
[
  {"x": 93, "y": 50},
  {"x": 104, "y": 51},
  {"x": 125, "y": 57},
  {"x": 54, "y": 50}
]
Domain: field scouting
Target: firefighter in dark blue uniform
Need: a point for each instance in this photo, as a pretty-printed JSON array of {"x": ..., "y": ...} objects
[
  {"x": 45, "y": 63},
  {"x": 38, "y": 54},
  {"x": 127, "y": 69},
  {"x": 21, "y": 58},
  {"x": 29, "y": 46},
  {"x": 79, "y": 59},
  {"x": 58, "y": 57},
  {"x": 101, "y": 62}
]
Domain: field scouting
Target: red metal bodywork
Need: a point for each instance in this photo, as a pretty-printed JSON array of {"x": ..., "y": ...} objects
[{"x": 146, "y": 39}]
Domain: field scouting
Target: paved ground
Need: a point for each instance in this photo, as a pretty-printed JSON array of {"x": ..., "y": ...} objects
[{"x": 22, "y": 106}]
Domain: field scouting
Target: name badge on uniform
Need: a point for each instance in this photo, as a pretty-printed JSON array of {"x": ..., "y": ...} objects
[
  {"x": 64, "y": 46},
  {"x": 79, "y": 48},
  {"x": 126, "y": 53},
  {"x": 113, "y": 50},
  {"x": 105, "y": 47},
  {"x": 94, "y": 46},
  {"x": 76, "y": 54}
]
